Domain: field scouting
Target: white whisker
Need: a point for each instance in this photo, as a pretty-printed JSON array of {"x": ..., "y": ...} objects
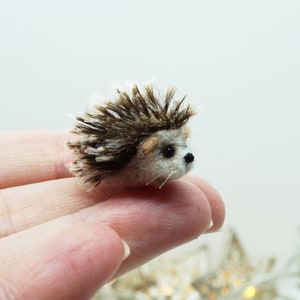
[
  {"x": 152, "y": 180},
  {"x": 164, "y": 182},
  {"x": 206, "y": 152}
]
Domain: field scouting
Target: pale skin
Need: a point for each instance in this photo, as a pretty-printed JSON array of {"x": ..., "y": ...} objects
[{"x": 58, "y": 241}]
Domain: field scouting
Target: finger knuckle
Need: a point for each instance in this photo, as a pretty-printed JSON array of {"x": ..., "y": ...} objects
[{"x": 6, "y": 226}]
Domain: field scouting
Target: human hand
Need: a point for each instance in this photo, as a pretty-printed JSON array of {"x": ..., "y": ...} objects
[{"x": 58, "y": 241}]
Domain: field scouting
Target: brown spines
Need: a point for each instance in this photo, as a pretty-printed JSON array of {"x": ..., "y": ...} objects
[{"x": 110, "y": 134}]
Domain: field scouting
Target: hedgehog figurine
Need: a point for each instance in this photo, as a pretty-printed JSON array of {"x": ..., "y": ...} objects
[{"x": 137, "y": 139}]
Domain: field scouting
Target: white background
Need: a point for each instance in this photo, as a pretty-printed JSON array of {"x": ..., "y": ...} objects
[{"x": 239, "y": 59}]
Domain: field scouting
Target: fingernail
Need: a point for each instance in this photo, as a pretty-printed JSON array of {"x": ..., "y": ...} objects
[
  {"x": 126, "y": 250},
  {"x": 211, "y": 224}
]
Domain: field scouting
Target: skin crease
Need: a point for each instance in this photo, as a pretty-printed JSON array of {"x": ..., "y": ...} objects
[{"x": 68, "y": 242}]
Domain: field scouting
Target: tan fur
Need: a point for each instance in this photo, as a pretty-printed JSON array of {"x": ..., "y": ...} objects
[
  {"x": 187, "y": 132},
  {"x": 148, "y": 145}
]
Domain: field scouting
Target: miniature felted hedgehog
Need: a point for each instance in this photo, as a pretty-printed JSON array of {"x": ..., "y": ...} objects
[{"x": 137, "y": 139}]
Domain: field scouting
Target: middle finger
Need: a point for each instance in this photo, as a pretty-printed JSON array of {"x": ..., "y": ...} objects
[{"x": 150, "y": 221}]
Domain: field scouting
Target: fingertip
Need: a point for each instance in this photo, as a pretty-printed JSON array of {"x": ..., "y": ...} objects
[
  {"x": 215, "y": 201},
  {"x": 194, "y": 207},
  {"x": 154, "y": 221},
  {"x": 72, "y": 265},
  {"x": 178, "y": 206}
]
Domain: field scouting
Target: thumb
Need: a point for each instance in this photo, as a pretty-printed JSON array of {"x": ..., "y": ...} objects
[{"x": 70, "y": 265}]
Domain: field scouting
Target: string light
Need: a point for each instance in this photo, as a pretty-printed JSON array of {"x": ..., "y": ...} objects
[
  {"x": 249, "y": 292},
  {"x": 187, "y": 277}
]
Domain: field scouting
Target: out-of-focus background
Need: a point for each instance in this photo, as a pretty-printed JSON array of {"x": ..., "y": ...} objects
[{"x": 240, "y": 60}]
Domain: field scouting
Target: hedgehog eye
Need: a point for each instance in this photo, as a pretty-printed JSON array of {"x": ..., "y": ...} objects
[{"x": 168, "y": 151}]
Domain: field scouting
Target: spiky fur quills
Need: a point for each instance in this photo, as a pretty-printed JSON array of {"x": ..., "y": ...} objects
[{"x": 109, "y": 135}]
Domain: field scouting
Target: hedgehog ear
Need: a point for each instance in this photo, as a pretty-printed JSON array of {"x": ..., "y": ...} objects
[
  {"x": 148, "y": 145},
  {"x": 186, "y": 132}
]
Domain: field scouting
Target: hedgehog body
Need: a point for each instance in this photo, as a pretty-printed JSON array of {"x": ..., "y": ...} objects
[{"x": 139, "y": 138}]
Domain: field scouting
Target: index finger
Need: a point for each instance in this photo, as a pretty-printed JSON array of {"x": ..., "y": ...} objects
[{"x": 33, "y": 156}]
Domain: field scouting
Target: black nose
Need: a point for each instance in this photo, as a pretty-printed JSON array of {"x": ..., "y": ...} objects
[{"x": 189, "y": 158}]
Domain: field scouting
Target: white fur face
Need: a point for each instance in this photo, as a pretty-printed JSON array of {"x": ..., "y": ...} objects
[{"x": 164, "y": 156}]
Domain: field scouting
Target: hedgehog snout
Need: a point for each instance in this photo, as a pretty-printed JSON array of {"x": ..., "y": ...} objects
[{"x": 189, "y": 158}]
